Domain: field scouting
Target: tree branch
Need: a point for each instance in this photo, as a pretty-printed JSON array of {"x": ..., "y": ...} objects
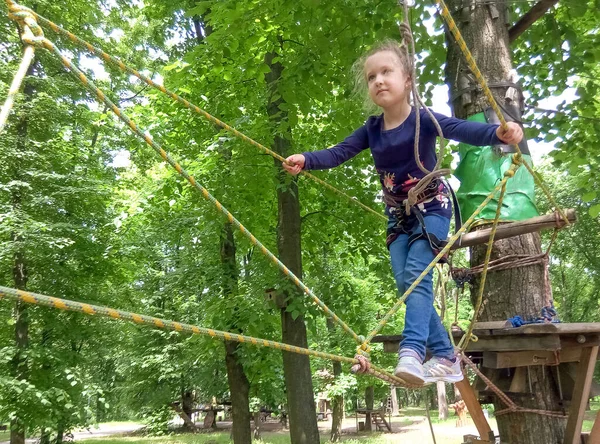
[{"x": 537, "y": 11}]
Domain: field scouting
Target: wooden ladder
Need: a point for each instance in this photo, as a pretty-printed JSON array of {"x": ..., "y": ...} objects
[{"x": 378, "y": 419}]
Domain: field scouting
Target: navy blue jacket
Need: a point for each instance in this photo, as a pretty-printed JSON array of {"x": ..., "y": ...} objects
[{"x": 393, "y": 152}]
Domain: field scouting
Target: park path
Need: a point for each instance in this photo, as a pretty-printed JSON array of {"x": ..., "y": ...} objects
[
  {"x": 102, "y": 431},
  {"x": 407, "y": 429}
]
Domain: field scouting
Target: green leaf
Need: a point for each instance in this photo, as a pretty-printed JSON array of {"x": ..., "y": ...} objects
[
  {"x": 594, "y": 210},
  {"x": 588, "y": 197}
]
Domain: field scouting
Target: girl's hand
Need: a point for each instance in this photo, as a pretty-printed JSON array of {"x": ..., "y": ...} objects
[
  {"x": 512, "y": 135},
  {"x": 294, "y": 164}
]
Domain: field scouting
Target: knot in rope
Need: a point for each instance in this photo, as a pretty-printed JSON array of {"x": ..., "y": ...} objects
[
  {"x": 32, "y": 33},
  {"x": 415, "y": 193},
  {"x": 363, "y": 349},
  {"x": 517, "y": 159},
  {"x": 406, "y": 33},
  {"x": 509, "y": 173},
  {"x": 462, "y": 276},
  {"x": 363, "y": 365}
]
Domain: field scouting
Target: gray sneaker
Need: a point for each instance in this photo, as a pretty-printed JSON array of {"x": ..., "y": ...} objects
[
  {"x": 442, "y": 369},
  {"x": 410, "y": 370}
]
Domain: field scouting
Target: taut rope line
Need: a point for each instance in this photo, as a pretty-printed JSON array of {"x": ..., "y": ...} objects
[{"x": 123, "y": 67}]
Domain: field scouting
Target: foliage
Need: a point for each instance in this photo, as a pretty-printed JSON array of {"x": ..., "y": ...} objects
[{"x": 557, "y": 52}]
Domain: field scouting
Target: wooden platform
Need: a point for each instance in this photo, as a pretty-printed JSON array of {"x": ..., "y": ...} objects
[
  {"x": 499, "y": 337},
  {"x": 572, "y": 347}
]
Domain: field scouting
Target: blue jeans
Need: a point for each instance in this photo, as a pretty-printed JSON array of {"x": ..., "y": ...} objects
[{"x": 422, "y": 325}]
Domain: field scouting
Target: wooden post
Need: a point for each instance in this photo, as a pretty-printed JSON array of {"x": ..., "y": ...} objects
[
  {"x": 581, "y": 394},
  {"x": 595, "y": 433},
  {"x": 468, "y": 395}
]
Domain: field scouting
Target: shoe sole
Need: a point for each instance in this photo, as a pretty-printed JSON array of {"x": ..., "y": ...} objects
[
  {"x": 449, "y": 378},
  {"x": 410, "y": 377}
]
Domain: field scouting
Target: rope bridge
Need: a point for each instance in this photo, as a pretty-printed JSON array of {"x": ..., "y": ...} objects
[{"x": 33, "y": 37}]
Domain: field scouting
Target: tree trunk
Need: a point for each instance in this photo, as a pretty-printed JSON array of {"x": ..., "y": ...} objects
[
  {"x": 60, "y": 434},
  {"x": 369, "y": 400},
  {"x": 514, "y": 291},
  {"x": 442, "y": 402},
  {"x": 20, "y": 273},
  {"x": 337, "y": 402},
  {"x": 187, "y": 405},
  {"x": 298, "y": 380},
  {"x": 257, "y": 425},
  {"x": 239, "y": 386},
  {"x": 394, "y": 396}
]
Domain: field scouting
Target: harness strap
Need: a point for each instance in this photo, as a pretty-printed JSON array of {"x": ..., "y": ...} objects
[{"x": 436, "y": 243}]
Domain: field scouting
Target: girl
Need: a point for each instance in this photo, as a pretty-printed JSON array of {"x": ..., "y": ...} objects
[{"x": 390, "y": 136}]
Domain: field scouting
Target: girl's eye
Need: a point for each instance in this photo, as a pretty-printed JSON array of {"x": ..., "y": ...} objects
[{"x": 371, "y": 78}]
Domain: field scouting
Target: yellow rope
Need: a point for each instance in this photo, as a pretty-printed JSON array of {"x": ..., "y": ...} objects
[
  {"x": 445, "y": 13},
  {"x": 464, "y": 342},
  {"x": 18, "y": 14},
  {"x": 28, "y": 56},
  {"x": 123, "y": 67},
  {"x": 165, "y": 324},
  {"x": 147, "y": 138},
  {"x": 30, "y": 32}
]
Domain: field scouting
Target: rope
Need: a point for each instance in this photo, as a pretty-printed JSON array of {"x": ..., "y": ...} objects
[
  {"x": 441, "y": 254},
  {"x": 30, "y": 33},
  {"x": 165, "y": 324},
  {"x": 428, "y": 414},
  {"x": 158, "y": 323},
  {"x": 123, "y": 67},
  {"x": 373, "y": 370},
  {"x": 413, "y": 193},
  {"x": 134, "y": 128},
  {"x": 445, "y": 13},
  {"x": 511, "y": 406},
  {"x": 488, "y": 254},
  {"x": 28, "y": 56},
  {"x": 409, "y": 42}
]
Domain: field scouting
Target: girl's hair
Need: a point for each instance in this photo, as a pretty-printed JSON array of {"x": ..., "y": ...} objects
[{"x": 361, "y": 88}]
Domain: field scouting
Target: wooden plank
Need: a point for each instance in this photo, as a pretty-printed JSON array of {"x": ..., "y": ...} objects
[
  {"x": 491, "y": 325},
  {"x": 521, "y": 343},
  {"x": 581, "y": 393},
  {"x": 579, "y": 341},
  {"x": 578, "y": 327},
  {"x": 537, "y": 329},
  {"x": 474, "y": 408},
  {"x": 514, "y": 229},
  {"x": 595, "y": 433},
  {"x": 531, "y": 357}
]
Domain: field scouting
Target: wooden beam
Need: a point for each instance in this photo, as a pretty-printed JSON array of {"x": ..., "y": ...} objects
[
  {"x": 504, "y": 343},
  {"x": 553, "y": 220},
  {"x": 595, "y": 433},
  {"x": 468, "y": 395},
  {"x": 581, "y": 394},
  {"x": 533, "y": 357},
  {"x": 512, "y": 343},
  {"x": 537, "y": 11}
]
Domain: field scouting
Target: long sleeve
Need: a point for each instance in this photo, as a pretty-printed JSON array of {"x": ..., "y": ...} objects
[
  {"x": 338, "y": 154},
  {"x": 473, "y": 133}
]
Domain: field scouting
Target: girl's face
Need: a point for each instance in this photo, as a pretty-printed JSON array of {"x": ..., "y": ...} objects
[{"x": 388, "y": 84}]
